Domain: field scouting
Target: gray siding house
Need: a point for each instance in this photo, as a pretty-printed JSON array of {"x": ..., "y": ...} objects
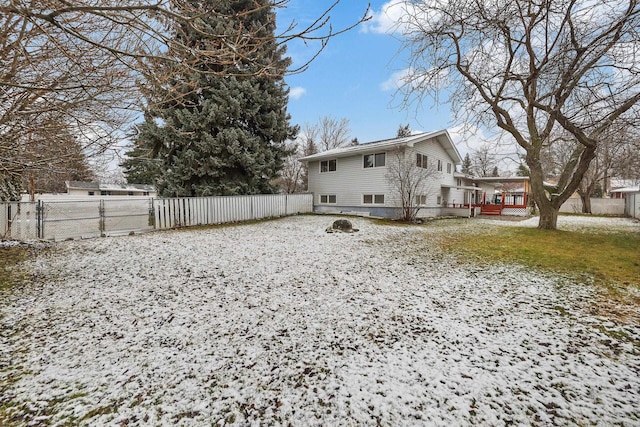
[{"x": 356, "y": 179}]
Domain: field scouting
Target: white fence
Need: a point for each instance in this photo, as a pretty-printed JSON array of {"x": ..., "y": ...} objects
[
  {"x": 598, "y": 206},
  {"x": 69, "y": 219},
  {"x": 184, "y": 212},
  {"x": 632, "y": 205}
]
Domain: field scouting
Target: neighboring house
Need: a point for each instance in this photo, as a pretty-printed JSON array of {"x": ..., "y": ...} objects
[
  {"x": 77, "y": 188},
  {"x": 355, "y": 179},
  {"x": 619, "y": 188},
  {"x": 632, "y": 202},
  {"x": 631, "y": 196}
]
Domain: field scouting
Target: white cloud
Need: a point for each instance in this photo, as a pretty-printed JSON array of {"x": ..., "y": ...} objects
[
  {"x": 387, "y": 19},
  {"x": 469, "y": 139},
  {"x": 297, "y": 92},
  {"x": 397, "y": 80}
]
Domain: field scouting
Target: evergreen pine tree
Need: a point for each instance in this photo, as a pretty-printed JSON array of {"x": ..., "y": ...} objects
[
  {"x": 227, "y": 133},
  {"x": 404, "y": 131},
  {"x": 523, "y": 170},
  {"x": 466, "y": 164}
]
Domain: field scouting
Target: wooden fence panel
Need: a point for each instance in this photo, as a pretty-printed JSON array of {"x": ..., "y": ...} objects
[
  {"x": 190, "y": 211},
  {"x": 93, "y": 217},
  {"x": 598, "y": 206}
]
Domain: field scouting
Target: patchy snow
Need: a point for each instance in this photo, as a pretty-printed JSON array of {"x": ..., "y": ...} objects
[
  {"x": 280, "y": 322},
  {"x": 579, "y": 223},
  {"x": 9, "y": 243}
]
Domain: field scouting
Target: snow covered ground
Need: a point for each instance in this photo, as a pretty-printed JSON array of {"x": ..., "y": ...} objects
[
  {"x": 582, "y": 223},
  {"x": 279, "y": 322}
]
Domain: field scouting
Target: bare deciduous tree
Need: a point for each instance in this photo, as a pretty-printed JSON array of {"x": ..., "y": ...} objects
[
  {"x": 331, "y": 132},
  {"x": 291, "y": 176},
  {"x": 83, "y": 62},
  {"x": 294, "y": 177},
  {"x": 411, "y": 185},
  {"x": 483, "y": 161},
  {"x": 533, "y": 69}
]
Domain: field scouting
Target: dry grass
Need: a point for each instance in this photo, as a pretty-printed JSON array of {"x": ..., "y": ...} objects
[
  {"x": 10, "y": 260},
  {"x": 607, "y": 260}
]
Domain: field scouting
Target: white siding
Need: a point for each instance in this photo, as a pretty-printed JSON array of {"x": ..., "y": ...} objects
[
  {"x": 351, "y": 180},
  {"x": 434, "y": 151}
]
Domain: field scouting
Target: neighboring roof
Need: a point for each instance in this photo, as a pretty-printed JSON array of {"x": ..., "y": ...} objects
[
  {"x": 79, "y": 185},
  {"x": 626, "y": 190},
  {"x": 623, "y": 183},
  {"x": 442, "y": 136},
  {"x": 501, "y": 178},
  {"x": 460, "y": 187}
]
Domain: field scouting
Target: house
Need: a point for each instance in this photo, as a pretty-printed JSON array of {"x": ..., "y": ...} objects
[
  {"x": 632, "y": 203},
  {"x": 511, "y": 195},
  {"x": 356, "y": 179},
  {"x": 631, "y": 196},
  {"x": 619, "y": 188},
  {"x": 78, "y": 188}
]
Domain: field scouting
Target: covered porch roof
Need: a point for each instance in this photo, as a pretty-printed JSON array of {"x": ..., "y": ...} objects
[{"x": 461, "y": 187}]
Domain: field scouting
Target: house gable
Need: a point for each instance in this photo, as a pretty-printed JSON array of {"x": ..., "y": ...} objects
[{"x": 356, "y": 176}]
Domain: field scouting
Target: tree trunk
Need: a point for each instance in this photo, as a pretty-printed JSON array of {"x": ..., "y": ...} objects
[
  {"x": 586, "y": 202},
  {"x": 548, "y": 209},
  {"x": 548, "y": 217}
]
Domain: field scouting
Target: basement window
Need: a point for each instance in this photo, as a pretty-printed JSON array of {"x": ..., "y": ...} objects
[
  {"x": 328, "y": 199},
  {"x": 373, "y": 199}
]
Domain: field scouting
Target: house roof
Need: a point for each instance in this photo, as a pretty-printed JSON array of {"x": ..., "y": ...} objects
[
  {"x": 623, "y": 183},
  {"x": 626, "y": 190},
  {"x": 80, "y": 185},
  {"x": 501, "y": 178},
  {"x": 442, "y": 136}
]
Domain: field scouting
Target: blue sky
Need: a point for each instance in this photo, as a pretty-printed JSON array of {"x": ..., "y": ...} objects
[{"x": 354, "y": 76}]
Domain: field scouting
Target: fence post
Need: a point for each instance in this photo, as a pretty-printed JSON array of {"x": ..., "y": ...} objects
[
  {"x": 102, "y": 217},
  {"x": 9, "y": 221},
  {"x": 39, "y": 215},
  {"x": 152, "y": 216}
]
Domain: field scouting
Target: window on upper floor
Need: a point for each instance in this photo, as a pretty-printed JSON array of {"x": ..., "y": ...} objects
[
  {"x": 439, "y": 165},
  {"x": 422, "y": 161},
  {"x": 328, "y": 165},
  {"x": 374, "y": 160},
  {"x": 448, "y": 167}
]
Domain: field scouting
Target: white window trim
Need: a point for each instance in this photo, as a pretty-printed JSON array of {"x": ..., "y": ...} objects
[
  {"x": 374, "y": 160},
  {"x": 424, "y": 161},
  {"x": 373, "y": 199},
  {"x": 327, "y": 202},
  {"x": 328, "y": 171}
]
